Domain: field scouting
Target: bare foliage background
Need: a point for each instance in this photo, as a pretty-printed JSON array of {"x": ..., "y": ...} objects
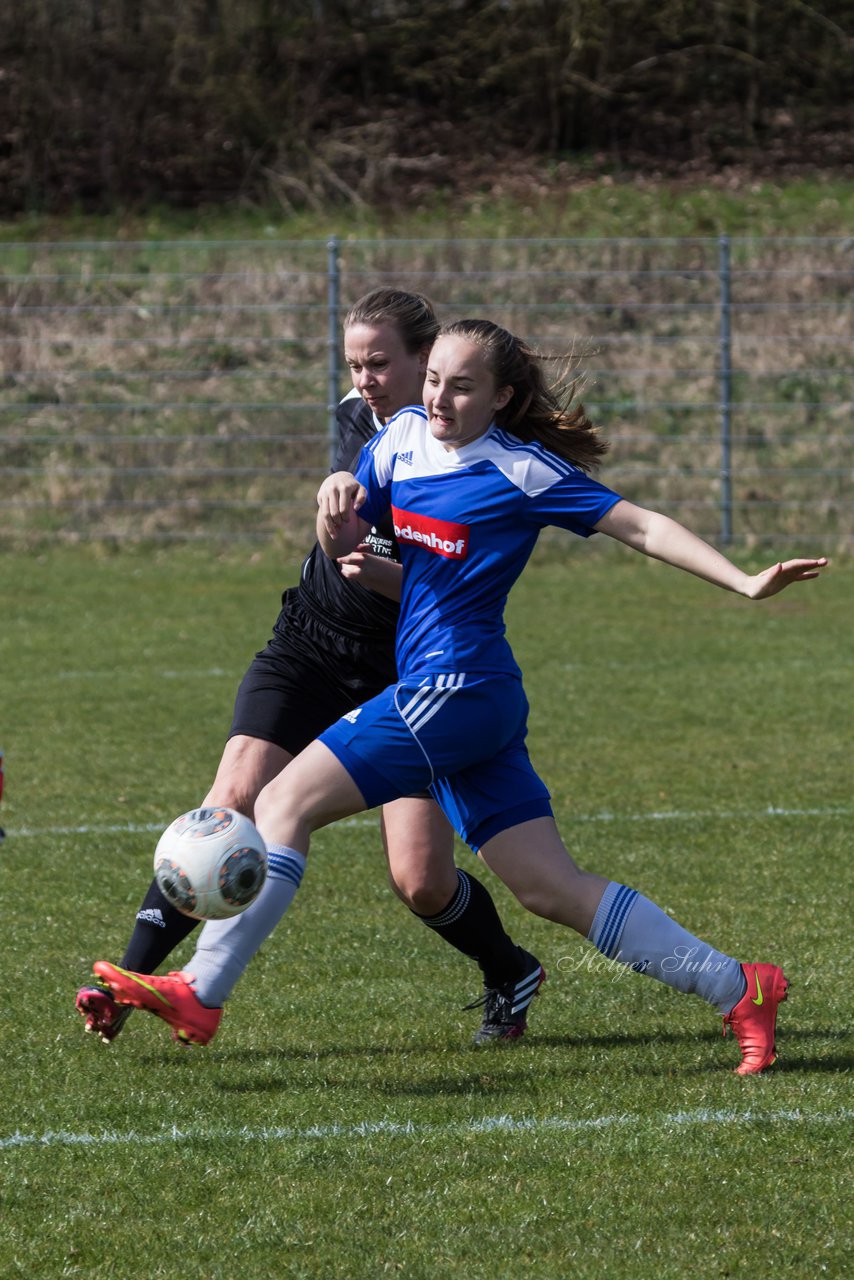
[{"x": 329, "y": 100}]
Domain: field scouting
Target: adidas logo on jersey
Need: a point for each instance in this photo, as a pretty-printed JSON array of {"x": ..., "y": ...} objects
[
  {"x": 405, "y": 458},
  {"x": 352, "y": 716}
]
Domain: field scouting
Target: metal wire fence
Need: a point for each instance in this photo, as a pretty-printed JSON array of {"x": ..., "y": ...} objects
[{"x": 183, "y": 390}]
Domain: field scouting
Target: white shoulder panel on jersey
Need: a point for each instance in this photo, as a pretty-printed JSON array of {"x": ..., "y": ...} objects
[
  {"x": 403, "y": 432},
  {"x": 530, "y": 466}
]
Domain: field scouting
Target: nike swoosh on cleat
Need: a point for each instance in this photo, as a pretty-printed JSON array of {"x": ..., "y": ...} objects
[
  {"x": 758, "y": 998},
  {"x": 148, "y": 987}
]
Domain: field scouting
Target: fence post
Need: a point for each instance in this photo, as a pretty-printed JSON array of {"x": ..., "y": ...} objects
[
  {"x": 333, "y": 299},
  {"x": 725, "y": 389}
]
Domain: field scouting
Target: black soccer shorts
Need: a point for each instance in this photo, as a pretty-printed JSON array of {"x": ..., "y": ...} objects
[{"x": 307, "y": 677}]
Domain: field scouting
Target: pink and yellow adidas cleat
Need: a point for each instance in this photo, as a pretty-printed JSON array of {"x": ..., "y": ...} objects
[
  {"x": 754, "y": 1018},
  {"x": 171, "y": 998}
]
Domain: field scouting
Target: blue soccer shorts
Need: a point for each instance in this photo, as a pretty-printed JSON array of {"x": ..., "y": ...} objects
[{"x": 463, "y": 739}]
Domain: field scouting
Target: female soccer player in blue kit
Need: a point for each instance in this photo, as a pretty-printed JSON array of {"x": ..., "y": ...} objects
[
  {"x": 332, "y": 648},
  {"x": 501, "y": 457}
]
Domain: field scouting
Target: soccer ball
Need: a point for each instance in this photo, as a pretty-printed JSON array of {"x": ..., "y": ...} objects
[{"x": 210, "y": 863}]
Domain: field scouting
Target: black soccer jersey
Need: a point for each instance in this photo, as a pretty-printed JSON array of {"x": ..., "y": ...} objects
[{"x": 344, "y": 605}]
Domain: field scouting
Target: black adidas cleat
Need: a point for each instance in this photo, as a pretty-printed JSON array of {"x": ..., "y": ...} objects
[{"x": 505, "y": 1008}]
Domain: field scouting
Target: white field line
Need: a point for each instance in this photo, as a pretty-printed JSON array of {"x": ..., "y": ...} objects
[
  {"x": 188, "y": 673},
  {"x": 389, "y": 1128},
  {"x": 135, "y": 828},
  {"x": 361, "y": 820}
]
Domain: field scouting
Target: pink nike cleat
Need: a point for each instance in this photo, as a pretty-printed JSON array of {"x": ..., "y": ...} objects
[
  {"x": 104, "y": 1016},
  {"x": 754, "y": 1018},
  {"x": 171, "y": 998}
]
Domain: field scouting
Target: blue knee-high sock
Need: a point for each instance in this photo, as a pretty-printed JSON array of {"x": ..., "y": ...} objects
[
  {"x": 633, "y": 931},
  {"x": 225, "y": 947}
]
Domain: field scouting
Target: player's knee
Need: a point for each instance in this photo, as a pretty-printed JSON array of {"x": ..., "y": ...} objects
[
  {"x": 283, "y": 813},
  {"x": 232, "y": 793},
  {"x": 419, "y": 893},
  {"x": 539, "y": 901}
]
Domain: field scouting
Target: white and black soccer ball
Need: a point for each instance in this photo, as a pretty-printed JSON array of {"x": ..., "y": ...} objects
[{"x": 210, "y": 863}]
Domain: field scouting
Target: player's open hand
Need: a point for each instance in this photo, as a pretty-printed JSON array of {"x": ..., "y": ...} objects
[
  {"x": 338, "y": 498},
  {"x": 779, "y": 576}
]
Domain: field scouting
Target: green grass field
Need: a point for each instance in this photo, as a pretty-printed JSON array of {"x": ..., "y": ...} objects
[{"x": 697, "y": 746}]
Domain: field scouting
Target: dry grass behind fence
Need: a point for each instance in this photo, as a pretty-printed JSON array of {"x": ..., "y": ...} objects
[{"x": 181, "y": 390}]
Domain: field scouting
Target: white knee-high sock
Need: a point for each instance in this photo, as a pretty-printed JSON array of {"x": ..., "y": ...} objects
[
  {"x": 633, "y": 931},
  {"x": 225, "y": 947}
]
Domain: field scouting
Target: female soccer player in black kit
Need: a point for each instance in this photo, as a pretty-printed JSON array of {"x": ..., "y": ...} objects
[{"x": 332, "y": 649}]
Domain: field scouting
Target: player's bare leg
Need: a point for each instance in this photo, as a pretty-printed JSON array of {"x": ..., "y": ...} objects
[
  {"x": 312, "y": 792},
  {"x": 632, "y": 931},
  {"x": 419, "y": 848},
  {"x": 245, "y": 768},
  {"x": 287, "y": 810},
  {"x": 419, "y": 845},
  {"x": 533, "y": 862}
]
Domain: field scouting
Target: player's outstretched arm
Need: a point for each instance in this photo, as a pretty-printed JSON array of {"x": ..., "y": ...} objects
[
  {"x": 664, "y": 539},
  {"x": 339, "y": 528}
]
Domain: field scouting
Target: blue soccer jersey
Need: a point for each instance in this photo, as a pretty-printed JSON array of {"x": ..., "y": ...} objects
[{"x": 467, "y": 521}]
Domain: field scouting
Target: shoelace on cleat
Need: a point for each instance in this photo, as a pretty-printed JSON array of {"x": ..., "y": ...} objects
[{"x": 491, "y": 1000}]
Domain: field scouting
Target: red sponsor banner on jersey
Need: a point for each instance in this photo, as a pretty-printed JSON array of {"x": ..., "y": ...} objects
[{"x": 445, "y": 537}]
